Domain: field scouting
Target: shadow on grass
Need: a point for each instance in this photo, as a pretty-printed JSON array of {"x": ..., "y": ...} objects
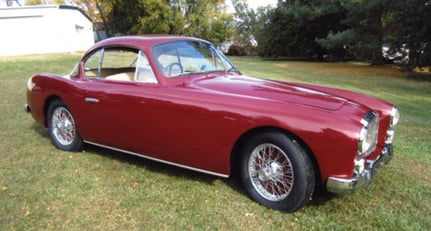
[
  {"x": 150, "y": 165},
  {"x": 42, "y": 131},
  {"x": 419, "y": 77},
  {"x": 320, "y": 197}
]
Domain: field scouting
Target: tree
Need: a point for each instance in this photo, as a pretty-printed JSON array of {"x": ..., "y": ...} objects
[
  {"x": 292, "y": 28},
  {"x": 365, "y": 19},
  {"x": 245, "y": 21},
  {"x": 205, "y": 19},
  {"x": 98, "y": 13},
  {"x": 372, "y": 23},
  {"x": 409, "y": 23},
  {"x": 154, "y": 18},
  {"x": 201, "y": 18}
]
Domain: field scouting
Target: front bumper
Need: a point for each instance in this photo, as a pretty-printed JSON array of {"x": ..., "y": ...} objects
[{"x": 364, "y": 179}]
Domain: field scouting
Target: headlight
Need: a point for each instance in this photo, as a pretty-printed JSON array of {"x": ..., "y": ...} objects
[
  {"x": 395, "y": 116},
  {"x": 368, "y": 134},
  {"x": 30, "y": 84}
]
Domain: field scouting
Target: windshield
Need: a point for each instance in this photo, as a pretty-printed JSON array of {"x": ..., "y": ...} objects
[{"x": 180, "y": 58}]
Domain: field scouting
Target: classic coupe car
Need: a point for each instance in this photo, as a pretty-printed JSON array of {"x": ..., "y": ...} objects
[{"x": 180, "y": 101}]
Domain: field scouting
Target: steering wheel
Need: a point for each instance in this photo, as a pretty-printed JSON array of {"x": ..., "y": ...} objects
[{"x": 171, "y": 66}]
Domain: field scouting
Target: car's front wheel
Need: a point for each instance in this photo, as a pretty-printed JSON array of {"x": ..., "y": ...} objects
[
  {"x": 276, "y": 172},
  {"x": 62, "y": 127}
]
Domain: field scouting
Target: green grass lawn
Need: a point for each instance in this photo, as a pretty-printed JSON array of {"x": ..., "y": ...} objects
[{"x": 42, "y": 188}]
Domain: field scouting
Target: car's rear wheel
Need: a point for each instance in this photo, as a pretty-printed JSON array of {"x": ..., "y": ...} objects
[
  {"x": 277, "y": 172},
  {"x": 62, "y": 127}
]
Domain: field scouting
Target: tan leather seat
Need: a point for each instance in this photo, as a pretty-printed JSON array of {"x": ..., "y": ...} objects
[{"x": 125, "y": 76}]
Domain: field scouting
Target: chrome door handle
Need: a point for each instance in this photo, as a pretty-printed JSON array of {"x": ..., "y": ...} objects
[{"x": 91, "y": 100}]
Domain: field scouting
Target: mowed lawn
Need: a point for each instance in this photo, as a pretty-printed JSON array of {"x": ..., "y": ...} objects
[{"x": 42, "y": 188}]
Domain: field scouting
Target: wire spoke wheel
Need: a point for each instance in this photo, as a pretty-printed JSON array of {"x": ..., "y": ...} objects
[
  {"x": 62, "y": 128},
  {"x": 63, "y": 125},
  {"x": 271, "y": 172},
  {"x": 276, "y": 171}
]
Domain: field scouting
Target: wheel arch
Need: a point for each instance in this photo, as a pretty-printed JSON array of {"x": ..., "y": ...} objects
[
  {"x": 236, "y": 150},
  {"x": 48, "y": 102}
]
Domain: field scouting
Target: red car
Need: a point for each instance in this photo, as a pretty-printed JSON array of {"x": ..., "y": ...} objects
[{"x": 180, "y": 101}]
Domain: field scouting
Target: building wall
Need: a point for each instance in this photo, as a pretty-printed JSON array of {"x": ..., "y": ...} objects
[{"x": 44, "y": 29}]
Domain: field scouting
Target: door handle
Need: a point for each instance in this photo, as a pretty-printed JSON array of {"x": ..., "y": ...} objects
[{"x": 91, "y": 100}]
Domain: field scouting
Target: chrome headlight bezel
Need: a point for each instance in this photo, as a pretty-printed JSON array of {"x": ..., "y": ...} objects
[
  {"x": 367, "y": 140},
  {"x": 30, "y": 84}
]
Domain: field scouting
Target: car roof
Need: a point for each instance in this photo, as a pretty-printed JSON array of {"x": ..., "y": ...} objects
[{"x": 141, "y": 41}]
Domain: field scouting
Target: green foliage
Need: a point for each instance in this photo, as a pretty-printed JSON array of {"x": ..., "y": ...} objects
[
  {"x": 335, "y": 40},
  {"x": 365, "y": 19},
  {"x": 206, "y": 19},
  {"x": 288, "y": 31},
  {"x": 293, "y": 27},
  {"x": 349, "y": 29},
  {"x": 153, "y": 18},
  {"x": 410, "y": 23},
  {"x": 238, "y": 50},
  {"x": 246, "y": 23}
]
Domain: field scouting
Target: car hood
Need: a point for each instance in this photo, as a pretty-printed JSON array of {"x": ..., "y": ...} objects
[{"x": 270, "y": 90}]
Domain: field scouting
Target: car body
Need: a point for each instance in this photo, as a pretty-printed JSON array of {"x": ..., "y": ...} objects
[{"x": 180, "y": 101}]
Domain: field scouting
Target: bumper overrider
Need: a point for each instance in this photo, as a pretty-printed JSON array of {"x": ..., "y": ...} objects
[{"x": 364, "y": 179}]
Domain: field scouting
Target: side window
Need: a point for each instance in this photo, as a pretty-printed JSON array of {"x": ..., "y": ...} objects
[
  {"x": 119, "y": 64},
  {"x": 119, "y": 58},
  {"x": 144, "y": 73},
  {"x": 112, "y": 64},
  {"x": 91, "y": 65}
]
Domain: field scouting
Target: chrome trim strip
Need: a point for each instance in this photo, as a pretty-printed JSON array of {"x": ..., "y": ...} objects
[
  {"x": 91, "y": 100},
  {"x": 158, "y": 160}
]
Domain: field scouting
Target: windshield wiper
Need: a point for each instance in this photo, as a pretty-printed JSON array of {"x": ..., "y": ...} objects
[{"x": 232, "y": 69}]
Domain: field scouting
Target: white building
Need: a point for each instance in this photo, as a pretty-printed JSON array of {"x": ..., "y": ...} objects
[{"x": 44, "y": 29}]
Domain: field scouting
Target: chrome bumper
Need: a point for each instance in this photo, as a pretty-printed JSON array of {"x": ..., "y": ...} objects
[{"x": 364, "y": 179}]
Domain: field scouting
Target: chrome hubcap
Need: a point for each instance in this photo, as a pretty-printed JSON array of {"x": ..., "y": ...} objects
[
  {"x": 63, "y": 126},
  {"x": 271, "y": 172}
]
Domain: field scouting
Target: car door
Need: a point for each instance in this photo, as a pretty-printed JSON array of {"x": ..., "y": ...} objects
[{"x": 119, "y": 91}]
